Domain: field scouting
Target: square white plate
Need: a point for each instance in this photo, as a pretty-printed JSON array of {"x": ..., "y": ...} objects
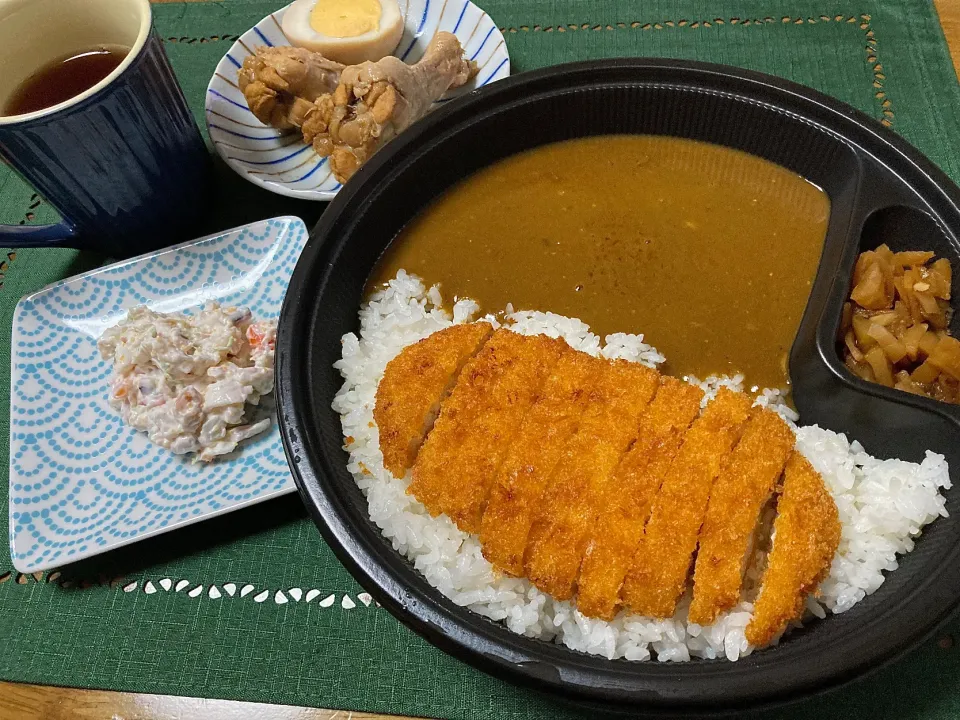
[{"x": 81, "y": 481}]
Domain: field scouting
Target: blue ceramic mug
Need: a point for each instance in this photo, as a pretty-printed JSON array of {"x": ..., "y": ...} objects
[{"x": 123, "y": 162}]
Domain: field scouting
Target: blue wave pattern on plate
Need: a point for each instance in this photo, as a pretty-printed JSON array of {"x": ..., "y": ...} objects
[
  {"x": 280, "y": 161},
  {"x": 81, "y": 481}
]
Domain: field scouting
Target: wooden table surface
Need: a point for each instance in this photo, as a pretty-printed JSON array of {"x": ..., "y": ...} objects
[{"x": 36, "y": 702}]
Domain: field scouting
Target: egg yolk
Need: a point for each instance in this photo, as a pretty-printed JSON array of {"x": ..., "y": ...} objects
[{"x": 345, "y": 18}]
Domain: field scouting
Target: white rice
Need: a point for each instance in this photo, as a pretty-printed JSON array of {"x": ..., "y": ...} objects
[{"x": 883, "y": 504}]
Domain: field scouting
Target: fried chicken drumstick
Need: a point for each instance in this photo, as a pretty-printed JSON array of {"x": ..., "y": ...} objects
[
  {"x": 281, "y": 83},
  {"x": 375, "y": 101}
]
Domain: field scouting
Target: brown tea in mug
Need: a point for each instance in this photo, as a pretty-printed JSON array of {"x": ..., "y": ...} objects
[{"x": 64, "y": 78}]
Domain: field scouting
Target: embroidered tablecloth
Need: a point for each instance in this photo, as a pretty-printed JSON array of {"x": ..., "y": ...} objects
[{"x": 253, "y": 605}]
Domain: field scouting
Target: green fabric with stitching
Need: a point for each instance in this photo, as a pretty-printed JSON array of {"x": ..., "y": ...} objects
[{"x": 84, "y": 630}]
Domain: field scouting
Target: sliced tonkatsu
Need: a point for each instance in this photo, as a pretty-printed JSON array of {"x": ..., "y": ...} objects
[
  {"x": 629, "y": 498},
  {"x": 743, "y": 488},
  {"x": 806, "y": 534},
  {"x": 414, "y": 384},
  {"x": 458, "y": 461},
  {"x": 534, "y": 452},
  {"x": 573, "y": 496},
  {"x": 601, "y": 478},
  {"x": 659, "y": 570}
]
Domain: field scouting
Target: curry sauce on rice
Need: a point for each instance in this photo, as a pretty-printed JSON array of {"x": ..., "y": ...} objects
[{"x": 621, "y": 231}]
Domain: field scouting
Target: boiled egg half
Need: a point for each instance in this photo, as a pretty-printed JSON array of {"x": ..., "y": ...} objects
[{"x": 346, "y": 31}]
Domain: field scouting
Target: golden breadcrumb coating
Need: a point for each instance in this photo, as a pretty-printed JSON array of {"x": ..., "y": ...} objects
[
  {"x": 570, "y": 506},
  {"x": 630, "y": 496},
  {"x": 806, "y": 536},
  {"x": 659, "y": 570},
  {"x": 459, "y": 459},
  {"x": 536, "y": 450},
  {"x": 414, "y": 384},
  {"x": 733, "y": 513},
  {"x": 600, "y": 477}
]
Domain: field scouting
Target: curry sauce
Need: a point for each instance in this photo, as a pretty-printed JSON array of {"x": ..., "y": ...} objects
[{"x": 708, "y": 251}]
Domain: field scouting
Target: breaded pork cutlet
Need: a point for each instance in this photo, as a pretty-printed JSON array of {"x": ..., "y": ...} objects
[
  {"x": 661, "y": 564},
  {"x": 617, "y": 531},
  {"x": 571, "y": 503},
  {"x": 806, "y": 536},
  {"x": 745, "y": 485},
  {"x": 534, "y": 452},
  {"x": 414, "y": 384},
  {"x": 460, "y": 457}
]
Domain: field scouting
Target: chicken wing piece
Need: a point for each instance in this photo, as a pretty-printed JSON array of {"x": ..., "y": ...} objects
[
  {"x": 660, "y": 567},
  {"x": 414, "y": 384},
  {"x": 535, "y": 451},
  {"x": 736, "y": 502},
  {"x": 806, "y": 536},
  {"x": 280, "y": 84},
  {"x": 577, "y": 487},
  {"x": 375, "y": 101},
  {"x": 618, "y": 530},
  {"x": 459, "y": 459}
]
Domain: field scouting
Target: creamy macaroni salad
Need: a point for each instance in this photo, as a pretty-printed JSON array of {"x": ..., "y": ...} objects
[{"x": 186, "y": 380}]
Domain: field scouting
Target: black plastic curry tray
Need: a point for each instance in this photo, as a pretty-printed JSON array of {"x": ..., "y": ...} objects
[{"x": 881, "y": 190}]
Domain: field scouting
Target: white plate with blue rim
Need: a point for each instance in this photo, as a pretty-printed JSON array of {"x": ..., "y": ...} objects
[
  {"x": 81, "y": 481},
  {"x": 280, "y": 161}
]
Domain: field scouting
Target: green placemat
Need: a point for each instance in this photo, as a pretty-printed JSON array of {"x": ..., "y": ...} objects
[{"x": 220, "y": 609}]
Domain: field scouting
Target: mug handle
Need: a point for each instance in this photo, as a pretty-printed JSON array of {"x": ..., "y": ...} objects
[{"x": 58, "y": 234}]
